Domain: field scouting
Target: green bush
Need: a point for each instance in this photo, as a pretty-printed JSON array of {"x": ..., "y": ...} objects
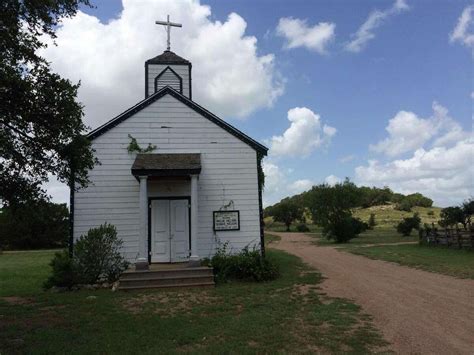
[
  {"x": 302, "y": 228},
  {"x": 96, "y": 259},
  {"x": 64, "y": 273},
  {"x": 404, "y": 205},
  {"x": 247, "y": 265},
  {"x": 345, "y": 229},
  {"x": 371, "y": 224},
  {"x": 97, "y": 255},
  {"x": 408, "y": 224}
]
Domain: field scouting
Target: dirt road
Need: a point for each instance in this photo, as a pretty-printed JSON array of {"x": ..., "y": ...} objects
[{"x": 417, "y": 311}]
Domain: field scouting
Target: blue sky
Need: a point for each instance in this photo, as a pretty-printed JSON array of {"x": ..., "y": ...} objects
[{"x": 411, "y": 68}]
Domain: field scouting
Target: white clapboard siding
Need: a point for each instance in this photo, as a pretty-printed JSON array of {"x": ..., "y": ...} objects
[
  {"x": 182, "y": 70},
  {"x": 229, "y": 173}
]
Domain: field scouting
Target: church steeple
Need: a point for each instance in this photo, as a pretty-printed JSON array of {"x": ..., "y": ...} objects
[{"x": 168, "y": 69}]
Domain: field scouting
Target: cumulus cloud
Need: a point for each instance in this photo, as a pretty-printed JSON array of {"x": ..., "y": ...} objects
[
  {"x": 463, "y": 31},
  {"x": 229, "y": 76},
  {"x": 300, "y": 186},
  {"x": 408, "y": 132},
  {"x": 441, "y": 162},
  {"x": 347, "y": 158},
  {"x": 332, "y": 180},
  {"x": 298, "y": 33},
  {"x": 305, "y": 134},
  {"x": 278, "y": 183},
  {"x": 376, "y": 18},
  {"x": 444, "y": 174}
]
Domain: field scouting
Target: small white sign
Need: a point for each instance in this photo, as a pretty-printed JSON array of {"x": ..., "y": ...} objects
[{"x": 226, "y": 220}]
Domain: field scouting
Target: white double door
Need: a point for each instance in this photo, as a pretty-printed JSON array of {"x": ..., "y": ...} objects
[{"x": 169, "y": 230}]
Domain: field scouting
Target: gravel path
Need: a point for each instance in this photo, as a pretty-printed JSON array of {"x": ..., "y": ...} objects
[{"x": 418, "y": 312}]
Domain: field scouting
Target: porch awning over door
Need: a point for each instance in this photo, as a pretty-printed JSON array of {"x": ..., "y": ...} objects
[{"x": 178, "y": 164}]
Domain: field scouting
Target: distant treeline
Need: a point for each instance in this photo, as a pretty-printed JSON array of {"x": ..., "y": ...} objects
[
  {"x": 364, "y": 197},
  {"x": 36, "y": 225}
]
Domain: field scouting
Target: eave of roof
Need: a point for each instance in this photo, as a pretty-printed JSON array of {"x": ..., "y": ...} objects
[
  {"x": 168, "y": 57},
  {"x": 260, "y": 148},
  {"x": 176, "y": 164}
]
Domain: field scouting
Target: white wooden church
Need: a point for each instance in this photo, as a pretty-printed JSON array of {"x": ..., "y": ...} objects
[{"x": 197, "y": 186}]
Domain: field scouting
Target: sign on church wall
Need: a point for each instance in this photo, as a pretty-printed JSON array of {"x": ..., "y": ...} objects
[{"x": 226, "y": 220}]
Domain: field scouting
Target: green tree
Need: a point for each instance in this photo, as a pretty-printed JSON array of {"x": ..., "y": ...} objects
[
  {"x": 41, "y": 128},
  {"x": 406, "y": 226},
  {"x": 330, "y": 207},
  {"x": 287, "y": 211},
  {"x": 34, "y": 225},
  {"x": 468, "y": 211},
  {"x": 451, "y": 216}
]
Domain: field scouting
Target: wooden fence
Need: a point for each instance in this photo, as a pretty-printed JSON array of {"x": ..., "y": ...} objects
[{"x": 450, "y": 237}]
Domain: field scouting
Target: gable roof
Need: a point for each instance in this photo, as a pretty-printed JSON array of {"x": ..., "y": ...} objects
[
  {"x": 167, "y": 57},
  {"x": 260, "y": 148}
]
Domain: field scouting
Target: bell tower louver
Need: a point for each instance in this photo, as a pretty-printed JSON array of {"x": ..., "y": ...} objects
[{"x": 168, "y": 69}]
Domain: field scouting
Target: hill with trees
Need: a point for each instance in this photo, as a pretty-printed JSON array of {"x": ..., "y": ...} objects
[{"x": 334, "y": 208}]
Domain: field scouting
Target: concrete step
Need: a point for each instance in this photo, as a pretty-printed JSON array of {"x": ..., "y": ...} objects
[
  {"x": 145, "y": 287},
  {"x": 184, "y": 272},
  {"x": 163, "y": 278},
  {"x": 163, "y": 281}
]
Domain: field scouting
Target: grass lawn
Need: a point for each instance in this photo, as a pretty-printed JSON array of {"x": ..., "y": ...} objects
[
  {"x": 458, "y": 263},
  {"x": 286, "y": 315}
]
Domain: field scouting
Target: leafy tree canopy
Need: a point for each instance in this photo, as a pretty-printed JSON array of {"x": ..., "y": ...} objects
[
  {"x": 287, "y": 211},
  {"x": 330, "y": 207},
  {"x": 34, "y": 225},
  {"x": 41, "y": 128},
  {"x": 364, "y": 196}
]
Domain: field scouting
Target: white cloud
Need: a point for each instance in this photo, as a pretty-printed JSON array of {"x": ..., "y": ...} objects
[
  {"x": 365, "y": 33},
  {"x": 299, "y": 34},
  {"x": 444, "y": 174},
  {"x": 472, "y": 95},
  {"x": 300, "y": 186},
  {"x": 278, "y": 183},
  {"x": 408, "y": 132},
  {"x": 462, "y": 33},
  {"x": 347, "y": 158},
  {"x": 229, "y": 76},
  {"x": 305, "y": 134},
  {"x": 332, "y": 180}
]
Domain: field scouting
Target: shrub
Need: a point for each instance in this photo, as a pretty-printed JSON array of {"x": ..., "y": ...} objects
[
  {"x": 302, "y": 227},
  {"x": 371, "y": 224},
  {"x": 64, "y": 273},
  {"x": 345, "y": 229},
  {"x": 247, "y": 265},
  {"x": 96, "y": 259},
  {"x": 404, "y": 205},
  {"x": 430, "y": 213},
  {"x": 408, "y": 224},
  {"x": 97, "y": 255}
]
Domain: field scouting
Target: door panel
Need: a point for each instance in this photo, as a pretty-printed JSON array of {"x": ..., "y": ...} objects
[
  {"x": 160, "y": 239},
  {"x": 179, "y": 230},
  {"x": 170, "y": 230}
]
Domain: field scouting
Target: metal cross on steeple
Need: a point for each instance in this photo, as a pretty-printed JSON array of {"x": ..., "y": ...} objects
[{"x": 168, "y": 25}]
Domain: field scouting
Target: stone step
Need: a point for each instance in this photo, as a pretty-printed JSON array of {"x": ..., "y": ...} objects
[
  {"x": 176, "y": 273},
  {"x": 146, "y": 287},
  {"x": 163, "y": 281}
]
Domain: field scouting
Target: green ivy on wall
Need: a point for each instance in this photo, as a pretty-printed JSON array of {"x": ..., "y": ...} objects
[{"x": 134, "y": 147}]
